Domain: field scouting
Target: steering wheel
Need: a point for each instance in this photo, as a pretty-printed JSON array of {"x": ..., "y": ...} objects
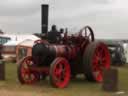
[{"x": 87, "y": 32}]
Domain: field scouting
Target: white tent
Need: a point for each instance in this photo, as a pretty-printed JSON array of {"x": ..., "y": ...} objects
[
  {"x": 24, "y": 37},
  {"x": 10, "y": 47},
  {"x": 27, "y": 43},
  {"x": 125, "y": 45},
  {"x": 12, "y": 43},
  {"x": 16, "y": 37}
]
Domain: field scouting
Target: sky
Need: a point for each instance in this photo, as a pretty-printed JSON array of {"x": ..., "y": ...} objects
[{"x": 108, "y": 18}]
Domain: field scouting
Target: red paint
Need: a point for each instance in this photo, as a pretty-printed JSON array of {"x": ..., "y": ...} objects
[
  {"x": 100, "y": 61},
  {"x": 40, "y": 70},
  {"x": 27, "y": 76},
  {"x": 60, "y": 72}
]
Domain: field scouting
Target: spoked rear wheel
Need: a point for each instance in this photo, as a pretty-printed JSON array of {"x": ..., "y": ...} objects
[
  {"x": 60, "y": 72},
  {"x": 25, "y": 76},
  {"x": 96, "y": 58}
]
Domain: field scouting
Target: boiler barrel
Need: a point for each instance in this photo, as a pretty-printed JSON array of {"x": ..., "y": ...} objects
[
  {"x": 47, "y": 53},
  {"x": 64, "y": 51}
]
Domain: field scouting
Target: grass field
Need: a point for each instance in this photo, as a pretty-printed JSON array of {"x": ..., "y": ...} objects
[{"x": 78, "y": 87}]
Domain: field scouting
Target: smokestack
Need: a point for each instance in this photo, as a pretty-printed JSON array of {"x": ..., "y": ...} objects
[{"x": 44, "y": 17}]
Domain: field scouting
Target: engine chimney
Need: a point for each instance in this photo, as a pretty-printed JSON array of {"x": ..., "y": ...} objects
[{"x": 44, "y": 17}]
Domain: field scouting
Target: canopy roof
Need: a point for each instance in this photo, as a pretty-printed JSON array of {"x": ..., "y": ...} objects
[
  {"x": 12, "y": 43},
  {"x": 26, "y": 40},
  {"x": 27, "y": 43}
]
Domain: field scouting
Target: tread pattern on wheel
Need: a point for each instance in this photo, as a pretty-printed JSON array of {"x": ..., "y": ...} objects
[{"x": 87, "y": 60}]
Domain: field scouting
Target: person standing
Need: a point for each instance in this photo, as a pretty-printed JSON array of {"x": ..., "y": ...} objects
[{"x": 52, "y": 35}]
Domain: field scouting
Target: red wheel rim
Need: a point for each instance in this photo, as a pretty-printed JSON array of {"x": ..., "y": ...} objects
[
  {"x": 101, "y": 60},
  {"x": 61, "y": 73},
  {"x": 27, "y": 76}
]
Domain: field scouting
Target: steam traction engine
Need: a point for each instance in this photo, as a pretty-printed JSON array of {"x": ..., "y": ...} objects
[{"x": 64, "y": 58}]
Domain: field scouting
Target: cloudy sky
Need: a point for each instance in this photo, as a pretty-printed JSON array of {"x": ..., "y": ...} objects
[{"x": 108, "y": 18}]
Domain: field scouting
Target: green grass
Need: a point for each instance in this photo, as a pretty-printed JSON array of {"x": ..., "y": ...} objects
[{"x": 78, "y": 87}]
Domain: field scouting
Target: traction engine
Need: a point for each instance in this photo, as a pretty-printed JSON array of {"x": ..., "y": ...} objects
[{"x": 65, "y": 57}]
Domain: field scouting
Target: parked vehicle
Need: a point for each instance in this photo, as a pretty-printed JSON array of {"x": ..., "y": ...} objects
[{"x": 117, "y": 53}]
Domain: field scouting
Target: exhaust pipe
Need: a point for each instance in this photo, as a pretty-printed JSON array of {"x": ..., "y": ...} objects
[{"x": 44, "y": 18}]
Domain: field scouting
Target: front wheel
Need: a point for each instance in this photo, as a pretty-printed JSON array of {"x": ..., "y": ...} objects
[{"x": 60, "y": 72}]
